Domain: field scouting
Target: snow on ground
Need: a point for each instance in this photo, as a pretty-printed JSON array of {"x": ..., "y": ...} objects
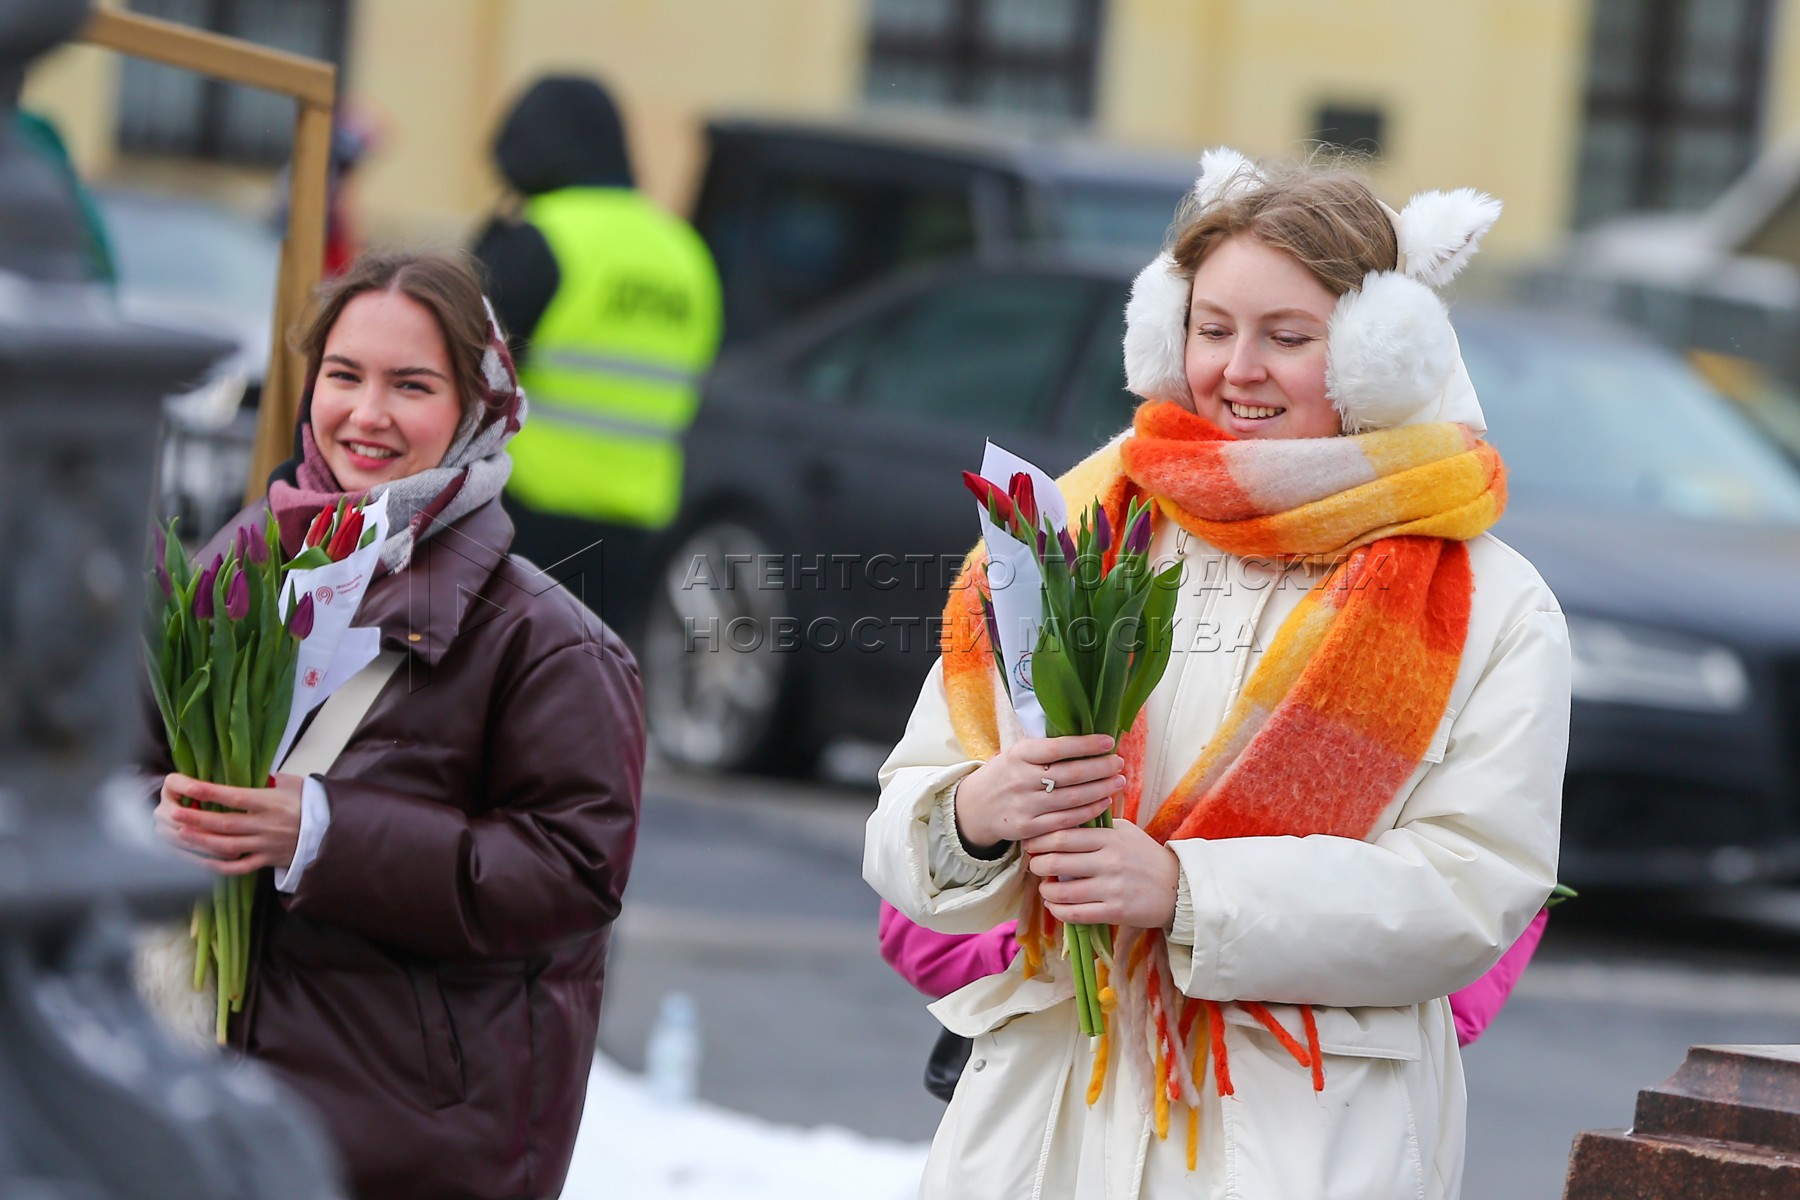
[{"x": 632, "y": 1145}]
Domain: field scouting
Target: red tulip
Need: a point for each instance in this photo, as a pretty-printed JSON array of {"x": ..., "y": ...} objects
[
  {"x": 321, "y": 526},
  {"x": 995, "y": 500},
  {"x": 1024, "y": 498},
  {"x": 348, "y": 534}
]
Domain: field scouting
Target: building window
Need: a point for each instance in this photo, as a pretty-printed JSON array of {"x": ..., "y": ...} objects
[
  {"x": 1350, "y": 127},
  {"x": 1674, "y": 102},
  {"x": 1022, "y": 57},
  {"x": 163, "y": 110}
]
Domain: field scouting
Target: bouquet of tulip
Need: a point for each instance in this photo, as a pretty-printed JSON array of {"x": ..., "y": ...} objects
[
  {"x": 222, "y": 648},
  {"x": 1102, "y": 644}
]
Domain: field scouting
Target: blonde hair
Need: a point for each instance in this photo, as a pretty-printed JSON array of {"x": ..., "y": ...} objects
[{"x": 1324, "y": 217}]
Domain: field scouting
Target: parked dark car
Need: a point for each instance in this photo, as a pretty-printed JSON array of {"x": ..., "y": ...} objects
[
  {"x": 824, "y": 519},
  {"x": 799, "y": 213}
]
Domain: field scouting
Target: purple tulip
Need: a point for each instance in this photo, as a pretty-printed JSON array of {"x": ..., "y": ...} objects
[
  {"x": 300, "y": 621},
  {"x": 1041, "y": 543},
  {"x": 993, "y": 624},
  {"x": 258, "y": 543},
  {"x": 237, "y": 597},
  {"x": 240, "y": 543},
  {"x": 1068, "y": 545},
  {"x": 1137, "y": 541},
  {"x": 1102, "y": 530},
  {"x": 203, "y": 590}
]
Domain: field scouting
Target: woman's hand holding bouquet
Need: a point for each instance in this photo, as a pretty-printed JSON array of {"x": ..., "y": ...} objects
[
  {"x": 236, "y": 831},
  {"x": 222, "y": 650},
  {"x": 1102, "y": 643},
  {"x": 1005, "y": 801}
]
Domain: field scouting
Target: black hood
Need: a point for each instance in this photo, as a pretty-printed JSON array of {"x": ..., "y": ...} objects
[{"x": 564, "y": 132}]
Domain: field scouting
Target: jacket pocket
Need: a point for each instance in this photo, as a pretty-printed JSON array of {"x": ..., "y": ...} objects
[
  {"x": 441, "y": 1050},
  {"x": 1359, "y": 1139}
]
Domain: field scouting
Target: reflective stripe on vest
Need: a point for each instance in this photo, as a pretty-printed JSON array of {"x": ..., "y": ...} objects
[
  {"x": 551, "y": 409},
  {"x": 614, "y": 367},
  {"x": 569, "y": 360}
]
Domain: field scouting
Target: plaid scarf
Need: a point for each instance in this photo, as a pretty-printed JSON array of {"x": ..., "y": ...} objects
[
  {"x": 1339, "y": 710},
  {"x": 473, "y": 471}
]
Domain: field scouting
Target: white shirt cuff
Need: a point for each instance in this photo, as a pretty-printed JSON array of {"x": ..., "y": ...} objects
[{"x": 315, "y": 819}]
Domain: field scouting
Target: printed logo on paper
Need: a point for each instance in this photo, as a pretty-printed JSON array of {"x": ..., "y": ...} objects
[
  {"x": 324, "y": 594},
  {"x": 313, "y": 677},
  {"x": 1022, "y": 672}
]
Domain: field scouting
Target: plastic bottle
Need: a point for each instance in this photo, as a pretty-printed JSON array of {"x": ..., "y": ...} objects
[{"x": 672, "y": 1055}]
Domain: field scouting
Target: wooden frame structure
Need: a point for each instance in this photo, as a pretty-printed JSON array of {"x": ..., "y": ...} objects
[{"x": 313, "y": 86}]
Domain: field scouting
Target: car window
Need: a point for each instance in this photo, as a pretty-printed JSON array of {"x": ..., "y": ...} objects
[
  {"x": 1123, "y": 216},
  {"x": 1601, "y": 420},
  {"x": 819, "y": 237},
  {"x": 1099, "y": 405},
  {"x": 828, "y": 373},
  {"x": 982, "y": 352}
]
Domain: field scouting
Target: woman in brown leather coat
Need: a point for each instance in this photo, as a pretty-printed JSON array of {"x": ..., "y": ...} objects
[{"x": 433, "y": 924}]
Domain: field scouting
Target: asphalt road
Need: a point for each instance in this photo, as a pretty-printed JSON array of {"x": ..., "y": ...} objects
[{"x": 748, "y": 895}]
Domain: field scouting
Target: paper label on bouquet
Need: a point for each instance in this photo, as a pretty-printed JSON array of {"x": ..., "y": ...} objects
[
  {"x": 1016, "y": 583},
  {"x": 333, "y": 651}
]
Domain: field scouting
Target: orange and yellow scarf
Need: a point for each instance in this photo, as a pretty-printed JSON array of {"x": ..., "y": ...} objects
[{"x": 1340, "y": 708}]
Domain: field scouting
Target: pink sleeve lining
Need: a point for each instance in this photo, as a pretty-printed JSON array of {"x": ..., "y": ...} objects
[
  {"x": 1476, "y": 1006},
  {"x": 940, "y": 963}
]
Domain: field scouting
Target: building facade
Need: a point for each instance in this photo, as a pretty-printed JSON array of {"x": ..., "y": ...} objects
[{"x": 1570, "y": 110}]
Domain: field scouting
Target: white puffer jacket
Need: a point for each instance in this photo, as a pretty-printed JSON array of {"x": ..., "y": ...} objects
[{"x": 1375, "y": 933}]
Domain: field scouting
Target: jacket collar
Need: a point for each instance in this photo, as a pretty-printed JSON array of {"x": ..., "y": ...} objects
[{"x": 439, "y": 595}]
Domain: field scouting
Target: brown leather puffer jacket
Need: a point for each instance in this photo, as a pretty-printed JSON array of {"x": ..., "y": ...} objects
[{"x": 433, "y": 987}]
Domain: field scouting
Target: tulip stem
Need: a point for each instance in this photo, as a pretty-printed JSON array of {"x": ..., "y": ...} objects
[{"x": 203, "y": 942}]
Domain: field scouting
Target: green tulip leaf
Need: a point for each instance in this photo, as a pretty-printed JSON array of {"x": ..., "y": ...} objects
[
  {"x": 1051, "y": 664},
  {"x": 1147, "y": 667}
]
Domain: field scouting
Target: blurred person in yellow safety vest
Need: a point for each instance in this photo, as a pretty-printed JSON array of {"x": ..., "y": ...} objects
[{"x": 612, "y": 305}]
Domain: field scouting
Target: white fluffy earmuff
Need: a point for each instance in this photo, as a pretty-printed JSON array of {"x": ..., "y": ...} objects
[
  {"x": 1156, "y": 332},
  {"x": 1439, "y": 232},
  {"x": 1156, "y": 314},
  {"x": 1391, "y": 354}
]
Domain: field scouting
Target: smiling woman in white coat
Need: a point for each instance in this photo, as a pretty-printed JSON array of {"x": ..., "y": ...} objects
[{"x": 1341, "y": 802}]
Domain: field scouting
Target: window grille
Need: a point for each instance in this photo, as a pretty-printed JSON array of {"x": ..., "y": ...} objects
[
  {"x": 1033, "y": 58},
  {"x": 1674, "y": 103},
  {"x": 163, "y": 110}
]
